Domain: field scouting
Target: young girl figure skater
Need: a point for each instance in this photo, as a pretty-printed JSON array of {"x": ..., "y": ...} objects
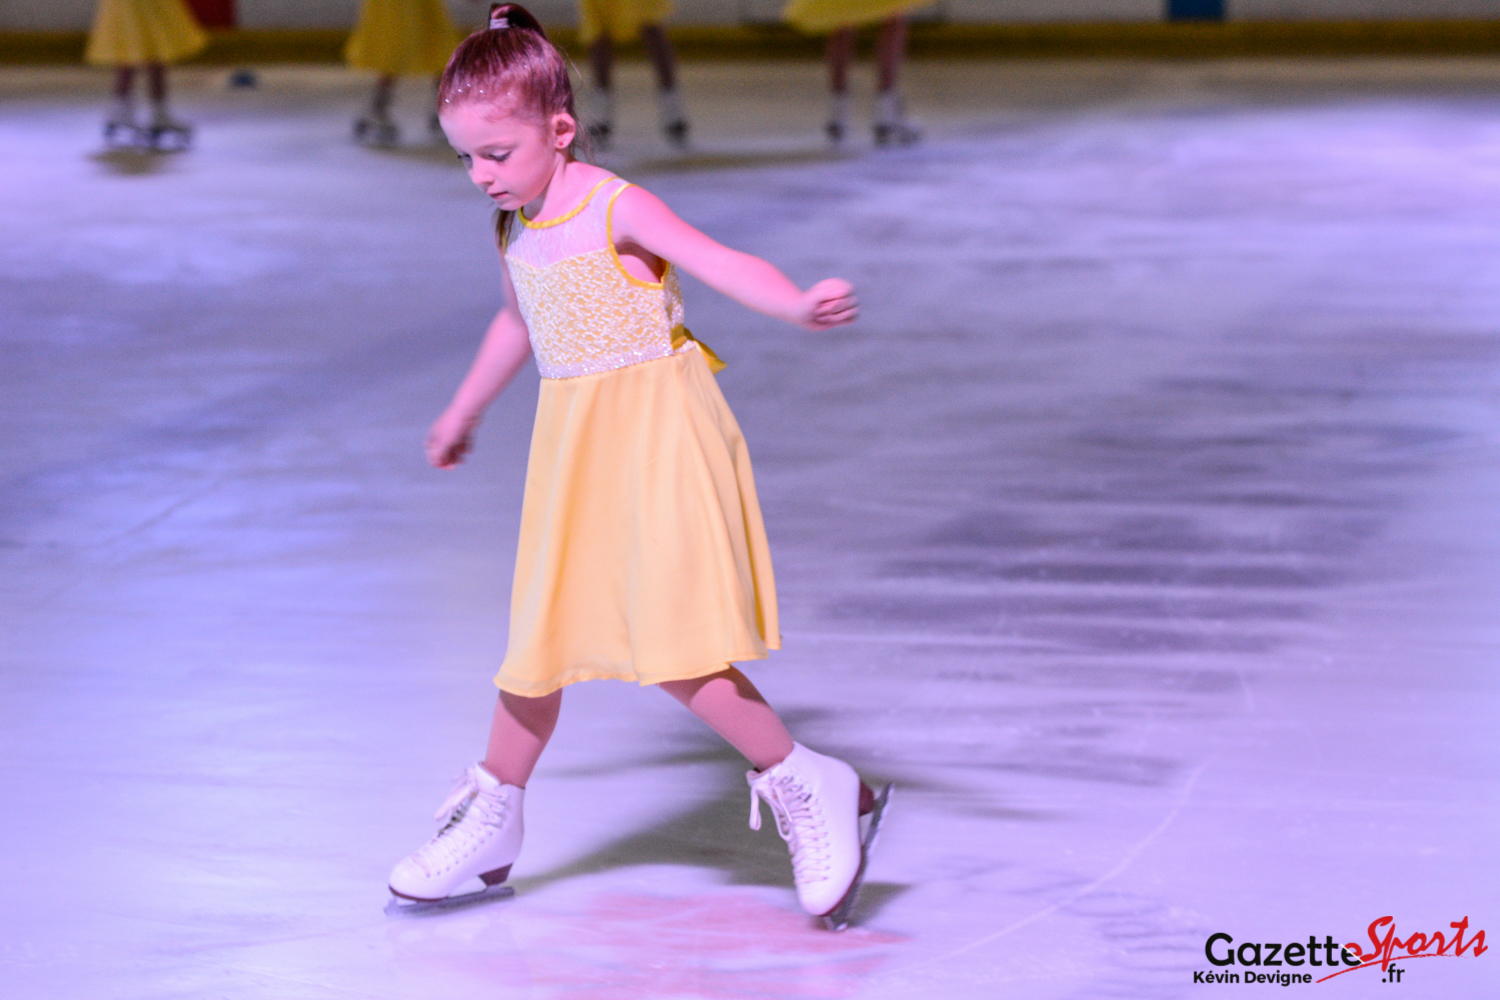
[
  {"x": 132, "y": 35},
  {"x": 642, "y": 554}
]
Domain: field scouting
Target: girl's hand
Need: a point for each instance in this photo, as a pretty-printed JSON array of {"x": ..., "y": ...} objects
[
  {"x": 450, "y": 439},
  {"x": 827, "y": 304}
]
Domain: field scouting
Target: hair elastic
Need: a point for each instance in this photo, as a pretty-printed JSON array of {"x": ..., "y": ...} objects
[{"x": 498, "y": 21}]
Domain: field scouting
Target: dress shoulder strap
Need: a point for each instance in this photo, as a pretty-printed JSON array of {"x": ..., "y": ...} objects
[
  {"x": 609, "y": 210},
  {"x": 614, "y": 253}
]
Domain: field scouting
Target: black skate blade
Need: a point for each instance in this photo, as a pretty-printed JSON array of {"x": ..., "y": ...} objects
[
  {"x": 837, "y": 918},
  {"x": 399, "y": 906}
]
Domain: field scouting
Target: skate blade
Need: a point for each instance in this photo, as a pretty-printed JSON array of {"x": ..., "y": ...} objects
[
  {"x": 399, "y": 906},
  {"x": 837, "y": 918}
]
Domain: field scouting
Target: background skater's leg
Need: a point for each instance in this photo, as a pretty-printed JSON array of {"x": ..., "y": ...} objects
[
  {"x": 890, "y": 112},
  {"x": 120, "y": 127},
  {"x": 599, "y": 109},
  {"x": 734, "y": 709},
  {"x": 840, "y": 54},
  {"x": 674, "y": 123},
  {"x": 166, "y": 132},
  {"x": 434, "y": 126},
  {"x": 376, "y": 126},
  {"x": 519, "y": 733}
]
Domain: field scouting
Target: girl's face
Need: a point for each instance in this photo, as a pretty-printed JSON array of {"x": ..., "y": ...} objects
[{"x": 510, "y": 157}]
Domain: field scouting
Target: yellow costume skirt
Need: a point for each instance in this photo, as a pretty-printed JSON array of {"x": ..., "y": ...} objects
[
  {"x": 137, "y": 32},
  {"x": 620, "y": 19},
  {"x": 402, "y": 38},
  {"x": 816, "y": 16},
  {"x": 642, "y": 556}
]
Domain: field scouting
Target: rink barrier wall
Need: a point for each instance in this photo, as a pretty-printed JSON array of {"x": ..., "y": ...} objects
[{"x": 1189, "y": 40}]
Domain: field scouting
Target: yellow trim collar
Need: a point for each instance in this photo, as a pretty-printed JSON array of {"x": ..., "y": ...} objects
[{"x": 567, "y": 215}]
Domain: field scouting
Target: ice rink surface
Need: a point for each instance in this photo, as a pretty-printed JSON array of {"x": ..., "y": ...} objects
[{"x": 1143, "y": 532}]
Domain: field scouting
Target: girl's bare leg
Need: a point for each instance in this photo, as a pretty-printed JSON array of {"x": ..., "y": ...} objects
[
  {"x": 375, "y": 126},
  {"x": 156, "y": 77},
  {"x": 602, "y": 60},
  {"x": 663, "y": 56},
  {"x": 598, "y": 105},
  {"x": 380, "y": 99},
  {"x": 890, "y": 48},
  {"x": 890, "y": 116},
  {"x": 840, "y": 54},
  {"x": 731, "y": 705},
  {"x": 120, "y": 127},
  {"x": 674, "y": 123},
  {"x": 435, "y": 127},
  {"x": 518, "y": 735}
]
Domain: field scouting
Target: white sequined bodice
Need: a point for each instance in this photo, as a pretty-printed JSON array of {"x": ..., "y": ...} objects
[{"x": 584, "y": 312}]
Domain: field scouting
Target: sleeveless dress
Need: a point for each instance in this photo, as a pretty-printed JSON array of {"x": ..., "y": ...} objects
[
  {"x": 138, "y": 32},
  {"x": 817, "y": 16},
  {"x": 402, "y": 37},
  {"x": 642, "y": 554}
]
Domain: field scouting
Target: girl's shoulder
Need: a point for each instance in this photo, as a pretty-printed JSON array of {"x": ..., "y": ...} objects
[
  {"x": 635, "y": 206},
  {"x": 588, "y": 176}
]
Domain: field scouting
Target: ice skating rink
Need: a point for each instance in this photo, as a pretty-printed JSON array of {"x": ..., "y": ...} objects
[{"x": 1143, "y": 532}]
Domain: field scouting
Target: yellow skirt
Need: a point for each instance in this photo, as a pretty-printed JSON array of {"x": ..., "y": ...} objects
[
  {"x": 138, "y": 32},
  {"x": 642, "y": 555},
  {"x": 817, "y": 16},
  {"x": 620, "y": 19},
  {"x": 402, "y": 38}
]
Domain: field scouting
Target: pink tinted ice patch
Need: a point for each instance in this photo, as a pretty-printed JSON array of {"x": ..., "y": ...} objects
[{"x": 723, "y": 944}]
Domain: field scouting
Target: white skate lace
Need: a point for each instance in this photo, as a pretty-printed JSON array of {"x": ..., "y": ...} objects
[
  {"x": 799, "y": 820},
  {"x": 472, "y": 818}
]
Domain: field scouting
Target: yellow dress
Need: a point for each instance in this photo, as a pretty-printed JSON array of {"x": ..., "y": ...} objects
[
  {"x": 138, "y": 32},
  {"x": 402, "y": 37},
  {"x": 620, "y": 19},
  {"x": 817, "y": 16},
  {"x": 642, "y": 554}
]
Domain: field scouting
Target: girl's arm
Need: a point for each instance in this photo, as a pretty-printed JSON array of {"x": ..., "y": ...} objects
[
  {"x": 642, "y": 219},
  {"x": 501, "y": 354}
]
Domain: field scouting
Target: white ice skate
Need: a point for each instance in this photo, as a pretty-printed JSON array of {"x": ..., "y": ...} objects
[
  {"x": 599, "y": 115},
  {"x": 837, "y": 125},
  {"x": 375, "y": 128},
  {"x": 818, "y": 802},
  {"x": 891, "y": 125},
  {"x": 674, "y": 122},
  {"x": 120, "y": 128},
  {"x": 166, "y": 134},
  {"x": 470, "y": 857}
]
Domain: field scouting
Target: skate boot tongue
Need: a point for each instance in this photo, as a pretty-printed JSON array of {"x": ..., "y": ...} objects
[
  {"x": 480, "y": 835},
  {"x": 473, "y": 781}
]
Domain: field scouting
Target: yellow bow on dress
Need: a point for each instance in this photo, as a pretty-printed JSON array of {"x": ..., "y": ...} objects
[{"x": 681, "y": 335}]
